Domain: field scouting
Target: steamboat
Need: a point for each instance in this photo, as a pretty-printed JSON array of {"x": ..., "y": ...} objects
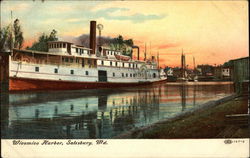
[{"x": 67, "y": 66}]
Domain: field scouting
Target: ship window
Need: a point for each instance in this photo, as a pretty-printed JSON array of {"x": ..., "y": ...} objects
[
  {"x": 113, "y": 74},
  {"x": 115, "y": 63},
  {"x": 60, "y": 45},
  {"x": 55, "y": 71},
  {"x": 126, "y": 75},
  {"x": 71, "y": 60},
  {"x": 89, "y": 61},
  {"x": 87, "y": 73},
  {"x": 154, "y": 75},
  {"x": 122, "y": 74},
  {"x": 111, "y": 63},
  {"x": 133, "y": 75},
  {"x": 129, "y": 65},
  {"x": 71, "y": 72},
  {"x": 64, "y": 45},
  {"x": 130, "y": 75},
  {"x": 37, "y": 69},
  {"x": 76, "y": 50},
  {"x": 122, "y": 64},
  {"x": 102, "y": 62}
]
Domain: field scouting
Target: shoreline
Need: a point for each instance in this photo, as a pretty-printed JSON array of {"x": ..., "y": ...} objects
[
  {"x": 179, "y": 119},
  {"x": 201, "y": 83}
]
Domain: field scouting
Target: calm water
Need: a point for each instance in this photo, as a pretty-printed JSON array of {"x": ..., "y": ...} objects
[{"x": 99, "y": 113}]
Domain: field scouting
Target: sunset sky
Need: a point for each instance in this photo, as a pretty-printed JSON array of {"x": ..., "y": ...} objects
[{"x": 211, "y": 31}]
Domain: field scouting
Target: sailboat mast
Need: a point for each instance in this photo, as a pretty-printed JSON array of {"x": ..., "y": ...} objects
[
  {"x": 194, "y": 62},
  {"x": 182, "y": 64},
  {"x": 145, "y": 54},
  {"x": 150, "y": 51},
  {"x": 158, "y": 60}
]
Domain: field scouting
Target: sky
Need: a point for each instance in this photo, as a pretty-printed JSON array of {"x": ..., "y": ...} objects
[{"x": 212, "y": 32}]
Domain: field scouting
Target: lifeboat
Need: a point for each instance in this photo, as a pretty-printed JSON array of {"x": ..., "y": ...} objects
[{"x": 122, "y": 57}]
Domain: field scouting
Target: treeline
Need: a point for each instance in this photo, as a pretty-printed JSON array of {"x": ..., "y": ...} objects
[
  {"x": 11, "y": 36},
  {"x": 42, "y": 43}
]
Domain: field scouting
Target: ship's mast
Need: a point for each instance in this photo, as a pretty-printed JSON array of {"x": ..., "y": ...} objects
[
  {"x": 158, "y": 60},
  {"x": 11, "y": 31},
  {"x": 145, "y": 53},
  {"x": 150, "y": 50},
  {"x": 194, "y": 62},
  {"x": 183, "y": 64}
]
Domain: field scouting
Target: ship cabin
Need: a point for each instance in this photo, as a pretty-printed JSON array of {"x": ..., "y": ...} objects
[
  {"x": 67, "y": 48},
  {"x": 68, "y": 54},
  {"x": 59, "y": 53}
]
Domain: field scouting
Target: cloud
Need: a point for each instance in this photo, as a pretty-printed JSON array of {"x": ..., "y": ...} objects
[
  {"x": 17, "y": 6},
  {"x": 74, "y": 20},
  {"x": 136, "y": 18},
  {"x": 168, "y": 45}
]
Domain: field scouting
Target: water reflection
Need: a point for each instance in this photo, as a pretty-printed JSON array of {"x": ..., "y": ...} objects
[{"x": 99, "y": 113}]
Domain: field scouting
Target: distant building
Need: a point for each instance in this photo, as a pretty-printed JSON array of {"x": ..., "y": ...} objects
[
  {"x": 240, "y": 69},
  {"x": 169, "y": 71},
  {"x": 206, "y": 70},
  {"x": 218, "y": 72},
  {"x": 177, "y": 72},
  {"x": 240, "y": 74},
  {"x": 225, "y": 72}
]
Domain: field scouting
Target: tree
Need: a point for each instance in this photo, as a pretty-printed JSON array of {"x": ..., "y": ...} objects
[
  {"x": 5, "y": 38},
  {"x": 42, "y": 44},
  {"x": 18, "y": 34},
  {"x": 122, "y": 45},
  {"x": 129, "y": 42}
]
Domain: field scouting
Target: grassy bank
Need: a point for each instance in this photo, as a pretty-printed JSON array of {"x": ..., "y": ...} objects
[{"x": 202, "y": 123}]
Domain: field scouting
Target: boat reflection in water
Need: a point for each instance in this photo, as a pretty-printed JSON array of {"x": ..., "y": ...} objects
[{"x": 99, "y": 113}]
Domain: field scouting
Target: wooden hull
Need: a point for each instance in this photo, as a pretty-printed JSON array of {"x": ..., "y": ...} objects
[{"x": 26, "y": 84}]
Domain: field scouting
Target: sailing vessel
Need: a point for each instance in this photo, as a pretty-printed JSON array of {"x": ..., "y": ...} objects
[
  {"x": 67, "y": 66},
  {"x": 183, "y": 76}
]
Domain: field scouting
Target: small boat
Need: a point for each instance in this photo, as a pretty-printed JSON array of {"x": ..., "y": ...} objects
[{"x": 122, "y": 57}]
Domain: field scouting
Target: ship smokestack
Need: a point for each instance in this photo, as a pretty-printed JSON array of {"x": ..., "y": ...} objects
[
  {"x": 138, "y": 52},
  {"x": 92, "y": 36}
]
